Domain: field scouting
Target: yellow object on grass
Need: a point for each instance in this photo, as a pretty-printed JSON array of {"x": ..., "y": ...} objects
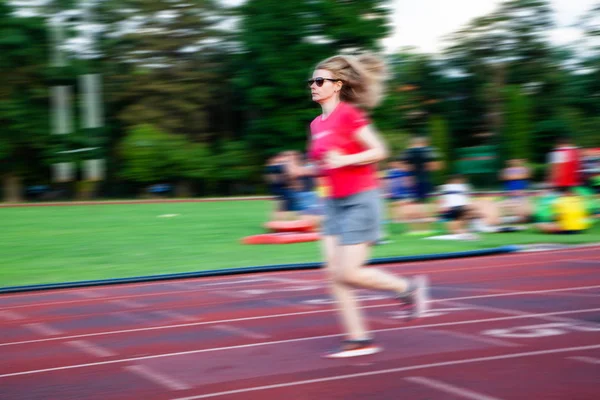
[{"x": 571, "y": 213}]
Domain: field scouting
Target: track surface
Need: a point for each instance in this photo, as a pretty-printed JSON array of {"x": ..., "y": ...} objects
[{"x": 517, "y": 326}]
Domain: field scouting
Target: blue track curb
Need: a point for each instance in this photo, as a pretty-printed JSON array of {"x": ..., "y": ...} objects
[{"x": 254, "y": 269}]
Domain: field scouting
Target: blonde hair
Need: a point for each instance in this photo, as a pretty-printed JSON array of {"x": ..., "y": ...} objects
[{"x": 362, "y": 76}]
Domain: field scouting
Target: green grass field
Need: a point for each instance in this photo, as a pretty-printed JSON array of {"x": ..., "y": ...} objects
[{"x": 60, "y": 244}]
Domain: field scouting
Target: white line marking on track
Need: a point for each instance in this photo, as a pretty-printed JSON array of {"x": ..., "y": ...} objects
[
  {"x": 127, "y": 303},
  {"x": 484, "y": 290},
  {"x": 43, "y": 329},
  {"x": 238, "y": 282},
  {"x": 181, "y": 286},
  {"x": 11, "y": 315},
  {"x": 157, "y": 378},
  {"x": 191, "y": 281},
  {"x": 291, "y": 281},
  {"x": 518, "y": 312},
  {"x": 129, "y": 317},
  {"x": 284, "y": 303},
  {"x": 447, "y": 388},
  {"x": 91, "y": 348},
  {"x": 240, "y": 331},
  {"x": 176, "y": 316},
  {"x": 589, "y": 360},
  {"x": 151, "y": 328},
  {"x": 243, "y": 346},
  {"x": 233, "y": 294},
  {"x": 393, "y": 370},
  {"x": 413, "y": 264},
  {"x": 585, "y": 261},
  {"x": 88, "y": 294},
  {"x": 477, "y": 338}
]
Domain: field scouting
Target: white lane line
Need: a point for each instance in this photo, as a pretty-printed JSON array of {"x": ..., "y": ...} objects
[
  {"x": 447, "y": 388},
  {"x": 589, "y": 360},
  {"x": 238, "y": 282},
  {"x": 91, "y": 348},
  {"x": 11, "y": 315},
  {"x": 285, "y": 303},
  {"x": 508, "y": 311},
  {"x": 477, "y": 338},
  {"x": 181, "y": 286},
  {"x": 127, "y": 303},
  {"x": 157, "y": 378},
  {"x": 176, "y": 316},
  {"x": 290, "y": 280},
  {"x": 88, "y": 294},
  {"x": 240, "y": 332},
  {"x": 329, "y": 310},
  {"x": 265, "y": 281},
  {"x": 585, "y": 261},
  {"x": 484, "y": 290},
  {"x": 244, "y": 346},
  {"x": 232, "y": 294},
  {"x": 129, "y": 317},
  {"x": 393, "y": 370},
  {"x": 43, "y": 329}
]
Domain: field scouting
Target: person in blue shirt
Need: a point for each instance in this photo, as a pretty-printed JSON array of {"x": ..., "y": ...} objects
[
  {"x": 401, "y": 192},
  {"x": 515, "y": 177}
]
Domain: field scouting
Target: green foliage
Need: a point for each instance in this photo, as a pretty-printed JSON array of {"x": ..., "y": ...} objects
[
  {"x": 164, "y": 72},
  {"x": 23, "y": 95},
  {"x": 151, "y": 155},
  {"x": 281, "y": 42},
  {"x": 517, "y": 130},
  {"x": 218, "y": 103},
  {"x": 440, "y": 140},
  {"x": 396, "y": 141}
]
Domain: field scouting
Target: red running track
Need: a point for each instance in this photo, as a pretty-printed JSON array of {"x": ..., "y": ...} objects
[{"x": 517, "y": 326}]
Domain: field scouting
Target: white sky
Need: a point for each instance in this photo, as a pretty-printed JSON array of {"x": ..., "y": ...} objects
[{"x": 424, "y": 24}]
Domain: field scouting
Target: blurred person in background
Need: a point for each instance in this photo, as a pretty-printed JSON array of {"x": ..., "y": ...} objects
[
  {"x": 304, "y": 173},
  {"x": 421, "y": 160},
  {"x": 455, "y": 206},
  {"x": 590, "y": 169},
  {"x": 398, "y": 187},
  {"x": 346, "y": 148},
  {"x": 570, "y": 214},
  {"x": 400, "y": 192},
  {"x": 276, "y": 182},
  {"x": 282, "y": 186},
  {"x": 515, "y": 177},
  {"x": 564, "y": 165}
]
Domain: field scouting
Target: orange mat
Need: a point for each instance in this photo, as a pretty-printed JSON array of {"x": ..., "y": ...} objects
[
  {"x": 282, "y": 238},
  {"x": 290, "y": 226}
]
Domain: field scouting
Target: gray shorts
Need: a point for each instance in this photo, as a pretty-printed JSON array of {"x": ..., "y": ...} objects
[{"x": 355, "y": 219}]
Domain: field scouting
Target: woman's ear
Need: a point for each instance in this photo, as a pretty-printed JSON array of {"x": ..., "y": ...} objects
[{"x": 339, "y": 85}]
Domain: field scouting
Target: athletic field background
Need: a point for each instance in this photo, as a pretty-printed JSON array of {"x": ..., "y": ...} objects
[{"x": 73, "y": 243}]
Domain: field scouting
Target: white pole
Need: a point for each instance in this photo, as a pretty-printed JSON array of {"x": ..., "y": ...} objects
[
  {"x": 60, "y": 101},
  {"x": 94, "y": 169}
]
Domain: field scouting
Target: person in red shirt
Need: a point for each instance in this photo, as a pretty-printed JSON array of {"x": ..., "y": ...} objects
[
  {"x": 345, "y": 147},
  {"x": 564, "y": 165}
]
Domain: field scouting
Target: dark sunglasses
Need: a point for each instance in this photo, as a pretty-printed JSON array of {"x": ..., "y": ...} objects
[{"x": 320, "y": 81}]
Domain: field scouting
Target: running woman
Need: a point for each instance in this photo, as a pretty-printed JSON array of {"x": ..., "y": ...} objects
[{"x": 346, "y": 147}]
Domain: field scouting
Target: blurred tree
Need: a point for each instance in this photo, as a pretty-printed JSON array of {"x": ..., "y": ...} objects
[
  {"x": 508, "y": 46},
  {"x": 161, "y": 62},
  {"x": 440, "y": 140},
  {"x": 415, "y": 90},
  {"x": 164, "y": 65},
  {"x": 517, "y": 133},
  {"x": 151, "y": 156},
  {"x": 23, "y": 100},
  {"x": 280, "y": 43}
]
